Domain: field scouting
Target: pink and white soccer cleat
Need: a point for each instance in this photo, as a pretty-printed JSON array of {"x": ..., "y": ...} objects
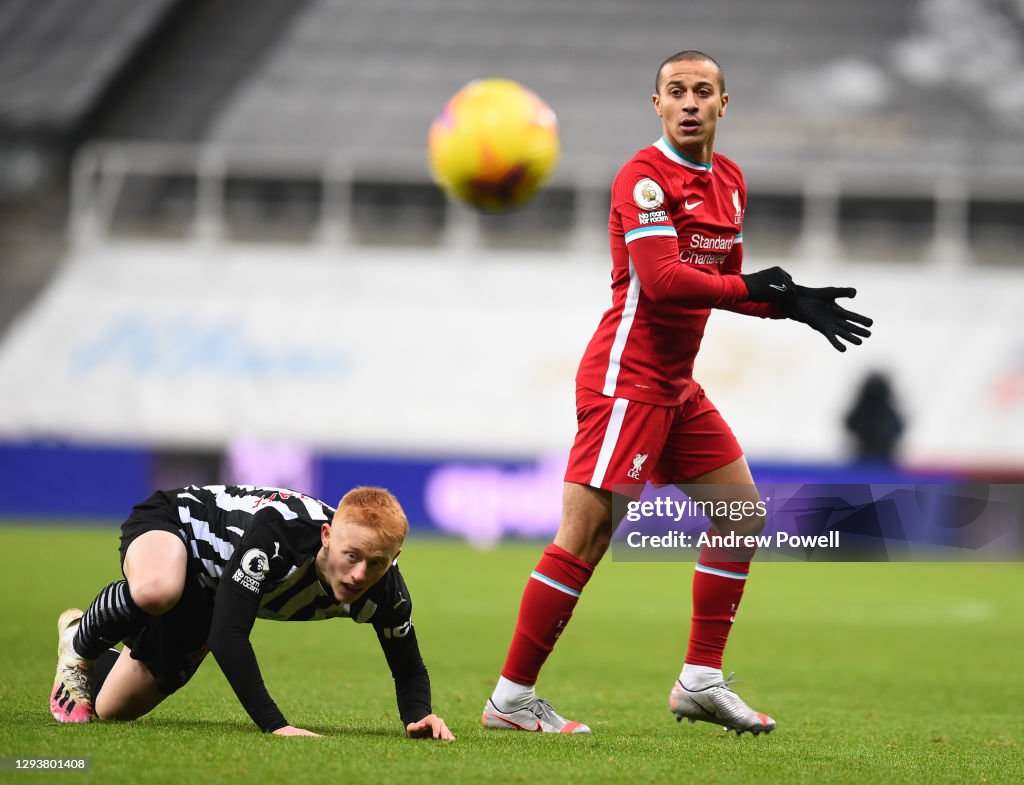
[
  {"x": 719, "y": 705},
  {"x": 536, "y": 716},
  {"x": 71, "y": 696}
]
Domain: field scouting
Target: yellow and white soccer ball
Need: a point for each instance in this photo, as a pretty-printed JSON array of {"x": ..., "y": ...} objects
[{"x": 494, "y": 145}]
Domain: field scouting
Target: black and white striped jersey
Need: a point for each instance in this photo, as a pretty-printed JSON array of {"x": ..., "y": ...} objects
[
  {"x": 265, "y": 540},
  {"x": 255, "y": 550}
]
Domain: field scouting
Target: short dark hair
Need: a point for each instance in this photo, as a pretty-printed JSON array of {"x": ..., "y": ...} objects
[{"x": 690, "y": 54}]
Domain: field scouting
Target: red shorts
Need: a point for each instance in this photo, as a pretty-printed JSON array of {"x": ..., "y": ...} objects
[{"x": 622, "y": 442}]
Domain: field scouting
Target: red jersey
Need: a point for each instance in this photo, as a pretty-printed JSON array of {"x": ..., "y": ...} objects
[{"x": 676, "y": 231}]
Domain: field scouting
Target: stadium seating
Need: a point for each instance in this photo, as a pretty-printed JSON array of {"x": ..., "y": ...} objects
[
  {"x": 823, "y": 102},
  {"x": 370, "y": 76},
  {"x": 57, "y": 57},
  {"x": 835, "y": 116}
]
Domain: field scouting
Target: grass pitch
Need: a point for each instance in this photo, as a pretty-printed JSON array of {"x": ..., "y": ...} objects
[{"x": 886, "y": 673}]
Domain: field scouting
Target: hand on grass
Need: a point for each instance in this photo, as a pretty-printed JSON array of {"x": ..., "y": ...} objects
[
  {"x": 430, "y": 727},
  {"x": 288, "y": 730}
]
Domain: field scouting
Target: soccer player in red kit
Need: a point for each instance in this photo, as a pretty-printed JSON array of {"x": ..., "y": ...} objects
[{"x": 676, "y": 229}]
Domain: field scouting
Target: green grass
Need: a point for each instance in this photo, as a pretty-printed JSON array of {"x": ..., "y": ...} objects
[{"x": 891, "y": 673}]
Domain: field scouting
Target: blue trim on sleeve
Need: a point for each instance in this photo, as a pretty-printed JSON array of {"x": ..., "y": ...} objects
[{"x": 651, "y": 231}]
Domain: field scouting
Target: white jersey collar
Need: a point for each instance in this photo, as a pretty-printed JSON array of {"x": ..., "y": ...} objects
[{"x": 674, "y": 155}]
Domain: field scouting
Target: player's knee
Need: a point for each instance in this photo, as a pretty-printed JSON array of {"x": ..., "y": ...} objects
[
  {"x": 589, "y": 548},
  {"x": 112, "y": 714},
  {"x": 585, "y": 529},
  {"x": 108, "y": 709},
  {"x": 751, "y": 525},
  {"x": 594, "y": 550},
  {"x": 747, "y": 525},
  {"x": 121, "y": 711},
  {"x": 155, "y": 595}
]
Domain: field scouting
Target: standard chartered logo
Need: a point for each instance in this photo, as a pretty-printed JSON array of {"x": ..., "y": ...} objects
[
  {"x": 699, "y": 242},
  {"x": 707, "y": 250}
]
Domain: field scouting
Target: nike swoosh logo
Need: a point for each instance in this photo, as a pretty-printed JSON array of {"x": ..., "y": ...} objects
[
  {"x": 778, "y": 287},
  {"x": 691, "y": 205},
  {"x": 516, "y": 724}
]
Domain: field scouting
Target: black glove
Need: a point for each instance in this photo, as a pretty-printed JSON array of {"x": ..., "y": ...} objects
[
  {"x": 769, "y": 286},
  {"x": 818, "y": 309}
]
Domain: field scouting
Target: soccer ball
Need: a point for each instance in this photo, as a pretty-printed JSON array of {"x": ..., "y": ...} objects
[{"x": 494, "y": 145}]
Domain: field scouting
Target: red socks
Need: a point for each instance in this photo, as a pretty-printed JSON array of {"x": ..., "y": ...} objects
[
  {"x": 717, "y": 591},
  {"x": 554, "y": 589},
  {"x": 548, "y": 601}
]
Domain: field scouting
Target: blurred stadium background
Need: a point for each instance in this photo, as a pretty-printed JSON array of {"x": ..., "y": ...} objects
[{"x": 223, "y": 259}]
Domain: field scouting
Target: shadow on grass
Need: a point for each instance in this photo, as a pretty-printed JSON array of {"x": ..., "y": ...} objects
[
  {"x": 244, "y": 726},
  {"x": 179, "y": 723}
]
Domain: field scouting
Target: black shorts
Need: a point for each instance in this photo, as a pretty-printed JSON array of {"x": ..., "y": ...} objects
[{"x": 171, "y": 646}]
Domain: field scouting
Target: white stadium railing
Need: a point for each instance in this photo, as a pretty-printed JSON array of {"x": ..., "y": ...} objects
[{"x": 101, "y": 170}]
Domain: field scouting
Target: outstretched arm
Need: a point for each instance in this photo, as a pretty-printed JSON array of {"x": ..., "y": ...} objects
[
  {"x": 662, "y": 277},
  {"x": 233, "y": 618},
  {"x": 655, "y": 258},
  {"x": 412, "y": 683}
]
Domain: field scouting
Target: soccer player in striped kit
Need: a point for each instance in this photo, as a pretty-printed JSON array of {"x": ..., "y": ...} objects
[
  {"x": 201, "y": 564},
  {"x": 676, "y": 230}
]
